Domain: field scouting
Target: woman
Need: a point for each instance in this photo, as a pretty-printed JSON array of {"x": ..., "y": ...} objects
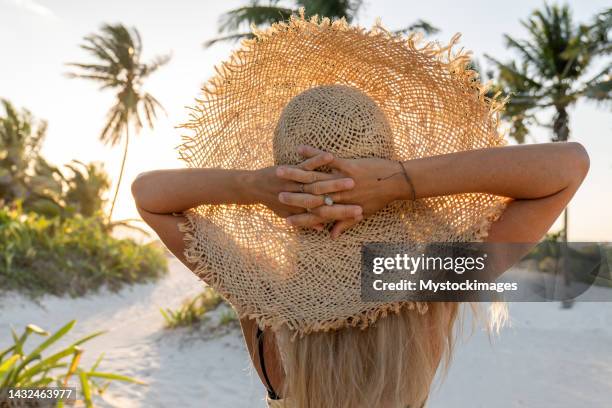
[
  {"x": 540, "y": 179},
  {"x": 353, "y": 186}
]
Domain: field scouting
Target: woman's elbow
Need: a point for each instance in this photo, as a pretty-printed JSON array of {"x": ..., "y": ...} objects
[
  {"x": 141, "y": 190},
  {"x": 578, "y": 161}
]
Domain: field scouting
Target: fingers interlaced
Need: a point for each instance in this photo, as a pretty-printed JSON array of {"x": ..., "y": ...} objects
[
  {"x": 305, "y": 220},
  {"x": 324, "y": 214},
  {"x": 303, "y": 200},
  {"x": 343, "y": 225},
  {"x": 311, "y": 152},
  {"x": 329, "y": 186},
  {"x": 317, "y": 161},
  {"x": 337, "y": 211},
  {"x": 311, "y": 186},
  {"x": 302, "y": 176},
  {"x": 308, "y": 151}
]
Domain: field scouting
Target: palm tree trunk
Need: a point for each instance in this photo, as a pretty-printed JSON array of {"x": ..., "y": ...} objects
[
  {"x": 562, "y": 131},
  {"x": 125, "y": 151}
]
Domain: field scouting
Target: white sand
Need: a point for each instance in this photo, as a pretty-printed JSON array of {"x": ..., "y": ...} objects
[{"x": 549, "y": 358}]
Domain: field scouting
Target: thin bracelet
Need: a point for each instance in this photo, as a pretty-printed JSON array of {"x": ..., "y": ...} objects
[
  {"x": 408, "y": 180},
  {"x": 406, "y": 176}
]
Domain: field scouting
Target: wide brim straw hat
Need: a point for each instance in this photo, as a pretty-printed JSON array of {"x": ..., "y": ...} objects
[{"x": 423, "y": 98}]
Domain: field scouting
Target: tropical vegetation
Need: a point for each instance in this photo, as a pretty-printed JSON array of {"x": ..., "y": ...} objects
[
  {"x": 118, "y": 65},
  {"x": 234, "y": 24},
  {"x": 193, "y": 311},
  {"x": 40, "y": 187},
  {"x": 554, "y": 70},
  {"x": 29, "y": 369},
  {"x": 54, "y": 237},
  {"x": 70, "y": 256}
]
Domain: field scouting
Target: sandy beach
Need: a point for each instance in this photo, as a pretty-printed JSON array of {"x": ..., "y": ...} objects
[{"x": 550, "y": 357}]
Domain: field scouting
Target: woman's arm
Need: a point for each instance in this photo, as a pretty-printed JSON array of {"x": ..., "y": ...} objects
[
  {"x": 176, "y": 190},
  {"x": 161, "y": 193},
  {"x": 540, "y": 178},
  {"x": 523, "y": 172}
]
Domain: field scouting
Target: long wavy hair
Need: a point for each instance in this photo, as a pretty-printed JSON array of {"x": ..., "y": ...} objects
[
  {"x": 390, "y": 364},
  {"x": 393, "y": 362}
]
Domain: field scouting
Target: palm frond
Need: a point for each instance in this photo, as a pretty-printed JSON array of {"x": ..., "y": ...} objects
[
  {"x": 512, "y": 71},
  {"x": 107, "y": 81},
  {"x": 150, "y": 106},
  {"x": 154, "y": 65},
  {"x": 227, "y": 38},
  {"x": 529, "y": 54},
  {"x": 117, "y": 50},
  {"x": 96, "y": 46},
  {"x": 252, "y": 14},
  {"x": 600, "y": 91},
  {"x": 333, "y": 9},
  {"x": 113, "y": 130},
  {"x": 419, "y": 25},
  {"x": 598, "y": 32},
  {"x": 264, "y": 15}
]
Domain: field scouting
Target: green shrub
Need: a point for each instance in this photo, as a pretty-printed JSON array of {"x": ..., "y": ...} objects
[
  {"x": 192, "y": 311},
  {"x": 228, "y": 317},
  {"x": 19, "y": 368},
  {"x": 70, "y": 256}
]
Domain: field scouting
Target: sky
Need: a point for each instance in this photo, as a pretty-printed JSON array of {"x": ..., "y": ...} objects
[{"x": 40, "y": 36}]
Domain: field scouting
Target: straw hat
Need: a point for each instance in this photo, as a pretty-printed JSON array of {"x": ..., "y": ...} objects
[{"x": 352, "y": 92}]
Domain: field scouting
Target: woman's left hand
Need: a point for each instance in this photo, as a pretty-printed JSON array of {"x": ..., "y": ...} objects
[
  {"x": 266, "y": 184},
  {"x": 378, "y": 182}
]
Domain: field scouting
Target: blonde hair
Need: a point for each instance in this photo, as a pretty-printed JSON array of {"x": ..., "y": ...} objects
[
  {"x": 393, "y": 362},
  {"x": 390, "y": 364}
]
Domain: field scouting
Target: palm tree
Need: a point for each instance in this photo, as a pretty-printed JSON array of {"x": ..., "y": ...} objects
[
  {"x": 551, "y": 70},
  {"x": 85, "y": 188},
  {"x": 551, "y": 73},
  {"x": 25, "y": 175},
  {"x": 234, "y": 22},
  {"x": 118, "y": 51}
]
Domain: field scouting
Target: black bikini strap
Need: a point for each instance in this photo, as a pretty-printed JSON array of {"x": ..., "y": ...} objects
[{"x": 271, "y": 393}]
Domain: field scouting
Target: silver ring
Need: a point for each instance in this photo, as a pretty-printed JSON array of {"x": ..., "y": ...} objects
[{"x": 328, "y": 200}]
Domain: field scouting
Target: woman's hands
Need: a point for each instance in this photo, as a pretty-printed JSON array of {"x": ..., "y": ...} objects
[
  {"x": 266, "y": 184},
  {"x": 377, "y": 182}
]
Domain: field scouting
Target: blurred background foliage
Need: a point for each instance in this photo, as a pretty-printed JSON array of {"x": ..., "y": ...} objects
[
  {"x": 70, "y": 255},
  {"x": 235, "y": 24},
  {"x": 54, "y": 236}
]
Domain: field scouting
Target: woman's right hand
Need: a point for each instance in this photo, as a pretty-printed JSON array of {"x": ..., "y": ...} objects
[
  {"x": 266, "y": 184},
  {"x": 376, "y": 183}
]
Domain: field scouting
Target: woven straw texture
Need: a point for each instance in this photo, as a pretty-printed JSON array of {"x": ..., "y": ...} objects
[{"x": 352, "y": 92}]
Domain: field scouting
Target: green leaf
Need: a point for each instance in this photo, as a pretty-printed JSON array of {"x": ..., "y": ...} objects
[
  {"x": 6, "y": 365},
  {"x": 44, "y": 363},
  {"x": 55, "y": 337},
  {"x": 35, "y": 329},
  {"x": 6, "y": 351},
  {"x": 85, "y": 389},
  {"x": 88, "y": 337},
  {"x": 97, "y": 363},
  {"x": 116, "y": 377}
]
